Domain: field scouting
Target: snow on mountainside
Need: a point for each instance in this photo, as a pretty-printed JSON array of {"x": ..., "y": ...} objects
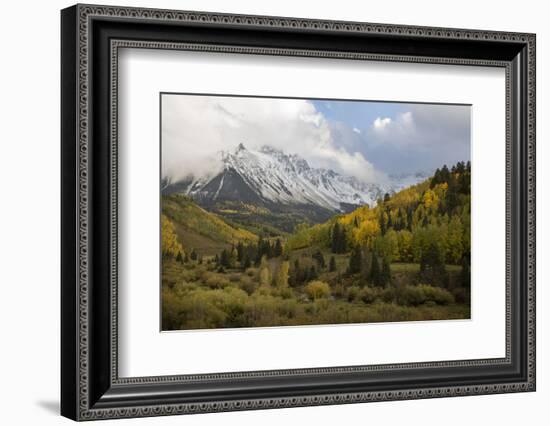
[{"x": 268, "y": 176}]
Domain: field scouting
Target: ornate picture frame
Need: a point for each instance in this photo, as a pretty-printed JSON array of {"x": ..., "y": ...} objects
[{"x": 91, "y": 37}]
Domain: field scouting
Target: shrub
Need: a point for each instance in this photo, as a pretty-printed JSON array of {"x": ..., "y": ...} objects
[
  {"x": 261, "y": 310},
  {"x": 338, "y": 290},
  {"x": 388, "y": 295},
  {"x": 285, "y": 293},
  {"x": 352, "y": 293},
  {"x": 368, "y": 295},
  {"x": 287, "y": 308},
  {"x": 422, "y": 293},
  {"x": 410, "y": 296},
  {"x": 183, "y": 287},
  {"x": 251, "y": 272},
  {"x": 215, "y": 281},
  {"x": 391, "y": 312},
  {"x": 234, "y": 278},
  {"x": 437, "y": 295},
  {"x": 248, "y": 284},
  {"x": 317, "y": 290}
]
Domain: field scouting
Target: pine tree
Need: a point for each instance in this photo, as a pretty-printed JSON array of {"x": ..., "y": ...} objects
[
  {"x": 245, "y": 263},
  {"x": 278, "y": 250},
  {"x": 319, "y": 258},
  {"x": 409, "y": 218},
  {"x": 335, "y": 243},
  {"x": 332, "y": 264},
  {"x": 445, "y": 174},
  {"x": 193, "y": 255},
  {"x": 401, "y": 220},
  {"x": 269, "y": 249},
  {"x": 179, "y": 258},
  {"x": 259, "y": 252},
  {"x": 432, "y": 266},
  {"x": 464, "y": 182},
  {"x": 385, "y": 276},
  {"x": 436, "y": 179},
  {"x": 374, "y": 276},
  {"x": 312, "y": 273},
  {"x": 240, "y": 251},
  {"x": 225, "y": 259},
  {"x": 451, "y": 197},
  {"x": 338, "y": 239},
  {"x": 382, "y": 221},
  {"x": 295, "y": 274},
  {"x": 343, "y": 241},
  {"x": 304, "y": 275},
  {"x": 355, "y": 260}
]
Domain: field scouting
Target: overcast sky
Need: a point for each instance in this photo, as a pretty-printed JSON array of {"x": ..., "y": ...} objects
[{"x": 367, "y": 140}]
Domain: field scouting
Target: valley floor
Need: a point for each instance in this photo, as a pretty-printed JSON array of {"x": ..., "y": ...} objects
[{"x": 196, "y": 296}]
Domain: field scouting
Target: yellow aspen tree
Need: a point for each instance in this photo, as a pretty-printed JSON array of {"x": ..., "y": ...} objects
[{"x": 170, "y": 245}]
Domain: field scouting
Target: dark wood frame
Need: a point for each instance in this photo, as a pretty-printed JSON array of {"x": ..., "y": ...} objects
[{"x": 90, "y": 386}]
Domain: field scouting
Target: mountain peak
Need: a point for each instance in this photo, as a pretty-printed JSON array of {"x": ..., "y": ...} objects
[
  {"x": 240, "y": 147},
  {"x": 270, "y": 176}
]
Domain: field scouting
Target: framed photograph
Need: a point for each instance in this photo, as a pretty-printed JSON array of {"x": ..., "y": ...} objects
[{"x": 263, "y": 212}]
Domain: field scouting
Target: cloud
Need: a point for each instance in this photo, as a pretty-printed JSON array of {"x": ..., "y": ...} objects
[
  {"x": 422, "y": 137},
  {"x": 394, "y": 130},
  {"x": 356, "y": 130},
  {"x": 381, "y": 123},
  {"x": 196, "y": 128},
  {"x": 424, "y": 126}
]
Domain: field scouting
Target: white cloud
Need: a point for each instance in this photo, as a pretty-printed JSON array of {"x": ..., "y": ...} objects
[
  {"x": 381, "y": 123},
  {"x": 402, "y": 123},
  {"x": 356, "y": 130},
  {"x": 423, "y": 137},
  {"x": 424, "y": 126},
  {"x": 406, "y": 118},
  {"x": 196, "y": 128}
]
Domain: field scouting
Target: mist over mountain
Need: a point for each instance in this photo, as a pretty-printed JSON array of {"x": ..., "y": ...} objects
[{"x": 269, "y": 176}]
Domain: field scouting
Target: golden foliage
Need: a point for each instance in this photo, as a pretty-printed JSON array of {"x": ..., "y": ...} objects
[
  {"x": 187, "y": 215},
  {"x": 170, "y": 244},
  {"x": 317, "y": 290},
  {"x": 366, "y": 232},
  {"x": 281, "y": 279}
]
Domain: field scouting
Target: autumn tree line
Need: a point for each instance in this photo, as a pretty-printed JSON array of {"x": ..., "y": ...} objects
[{"x": 427, "y": 224}]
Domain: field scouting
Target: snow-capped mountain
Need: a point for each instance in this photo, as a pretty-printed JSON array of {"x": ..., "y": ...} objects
[{"x": 269, "y": 176}]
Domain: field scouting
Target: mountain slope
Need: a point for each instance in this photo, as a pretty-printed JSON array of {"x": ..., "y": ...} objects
[
  {"x": 198, "y": 229},
  {"x": 404, "y": 225},
  {"x": 269, "y": 177}
]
